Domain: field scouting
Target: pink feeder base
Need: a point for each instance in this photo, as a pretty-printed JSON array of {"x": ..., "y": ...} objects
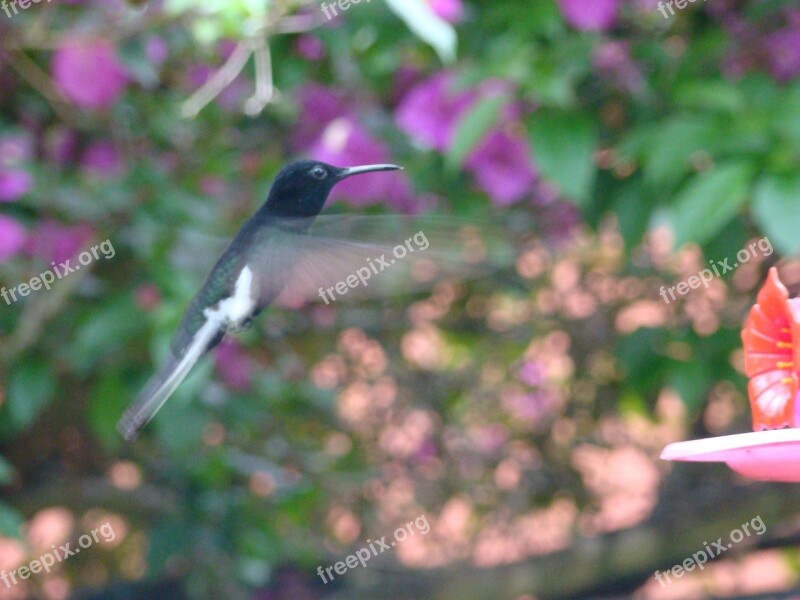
[{"x": 761, "y": 455}]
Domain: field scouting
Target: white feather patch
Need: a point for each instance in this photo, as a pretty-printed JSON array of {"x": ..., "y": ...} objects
[{"x": 237, "y": 308}]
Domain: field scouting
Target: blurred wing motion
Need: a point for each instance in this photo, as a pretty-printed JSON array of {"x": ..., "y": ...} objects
[
  {"x": 770, "y": 356},
  {"x": 362, "y": 258}
]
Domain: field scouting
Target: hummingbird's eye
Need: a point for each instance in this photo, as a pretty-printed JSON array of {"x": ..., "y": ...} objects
[{"x": 319, "y": 173}]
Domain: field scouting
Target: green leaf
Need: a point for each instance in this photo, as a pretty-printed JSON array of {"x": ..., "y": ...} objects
[
  {"x": 427, "y": 26},
  {"x": 31, "y": 387},
  {"x": 633, "y": 210},
  {"x": 104, "y": 331},
  {"x": 180, "y": 423},
  {"x": 775, "y": 210},
  {"x": 714, "y": 95},
  {"x": 472, "y": 128},
  {"x": 106, "y": 404},
  {"x": 691, "y": 381},
  {"x": 564, "y": 146},
  {"x": 709, "y": 201},
  {"x": 668, "y": 148},
  {"x": 785, "y": 123},
  {"x": 10, "y": 522}
]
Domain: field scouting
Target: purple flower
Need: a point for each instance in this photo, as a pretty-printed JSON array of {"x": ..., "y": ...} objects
[
  {"x": 156, "y": 50},
  {"x": 448, "y": 10},
  {"x": 503, "y": 167},
  {"x": 53, "y": 242},
  {"x": 531, "y": 373},
  {"x": 613, "y": 59},
  {"x": 89, "y": 72},
  {"x": 783, "y": 53},
  {"x": 12, "y": 237},
  {"x": 425, "y": 453},
  {"x": 14, "y": 184},
  {"x": 102, "y": 160},
  {"x": 404, "y": 80},
  {"x": 234, "y": 366},
  {"x": 310, "y": 47},
  {"x": 430, "y": 112},
  {"x": 345, "y": 143},
  {"x": 318, "y": 106},
  {"x": 590, "y": 15},
  {"x": 197, "y": 74}
]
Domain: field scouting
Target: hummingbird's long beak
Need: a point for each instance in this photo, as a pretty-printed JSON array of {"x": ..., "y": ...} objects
[{"x": 344, "y": 173}]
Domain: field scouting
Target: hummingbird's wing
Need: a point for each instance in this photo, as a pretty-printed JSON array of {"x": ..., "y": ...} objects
[{"x": 356, "y": 258}]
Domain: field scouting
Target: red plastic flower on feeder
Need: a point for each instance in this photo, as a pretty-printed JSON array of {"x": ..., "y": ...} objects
[
  {"x": 771, "y": 336},
  {"x": 771, "y": 358}
]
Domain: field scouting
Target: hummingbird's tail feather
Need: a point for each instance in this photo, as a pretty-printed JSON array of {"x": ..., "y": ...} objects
[{"x": 162, "y": 385}]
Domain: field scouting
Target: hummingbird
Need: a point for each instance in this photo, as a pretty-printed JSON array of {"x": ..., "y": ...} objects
[{"x": 250, "y": 275}]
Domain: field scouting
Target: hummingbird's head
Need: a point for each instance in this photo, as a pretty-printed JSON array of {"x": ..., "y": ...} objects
[{"x": 301, "y": 188}]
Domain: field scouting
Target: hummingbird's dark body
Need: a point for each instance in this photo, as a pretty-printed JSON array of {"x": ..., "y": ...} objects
[
  {"x": 249, "y": 275},
  {"x": 220, "y": 283}
]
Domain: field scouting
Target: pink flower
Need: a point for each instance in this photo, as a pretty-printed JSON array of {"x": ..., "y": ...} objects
[
  {"x": 14, "y": 184},
  {"x": 12, "y": 237},
  {"x": 503, "y": 167},
  {"x": 234, "y": 366},
  {"x": 430, "y": 112},
  {"x": 148, "y": 297},
  {"x": 531, "y": 373},
  {"x": 613, "y": 60},
  {"x": 530, "y": 408},
  {"x": 89, "y": 72},
  {"x": 559, "y": 221},
  {"x": 448, "y": 10},
  {"x": 489, "y": 438},
  {"x": 53, "y": 242},
  {"x": 590, "y": 15}
]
